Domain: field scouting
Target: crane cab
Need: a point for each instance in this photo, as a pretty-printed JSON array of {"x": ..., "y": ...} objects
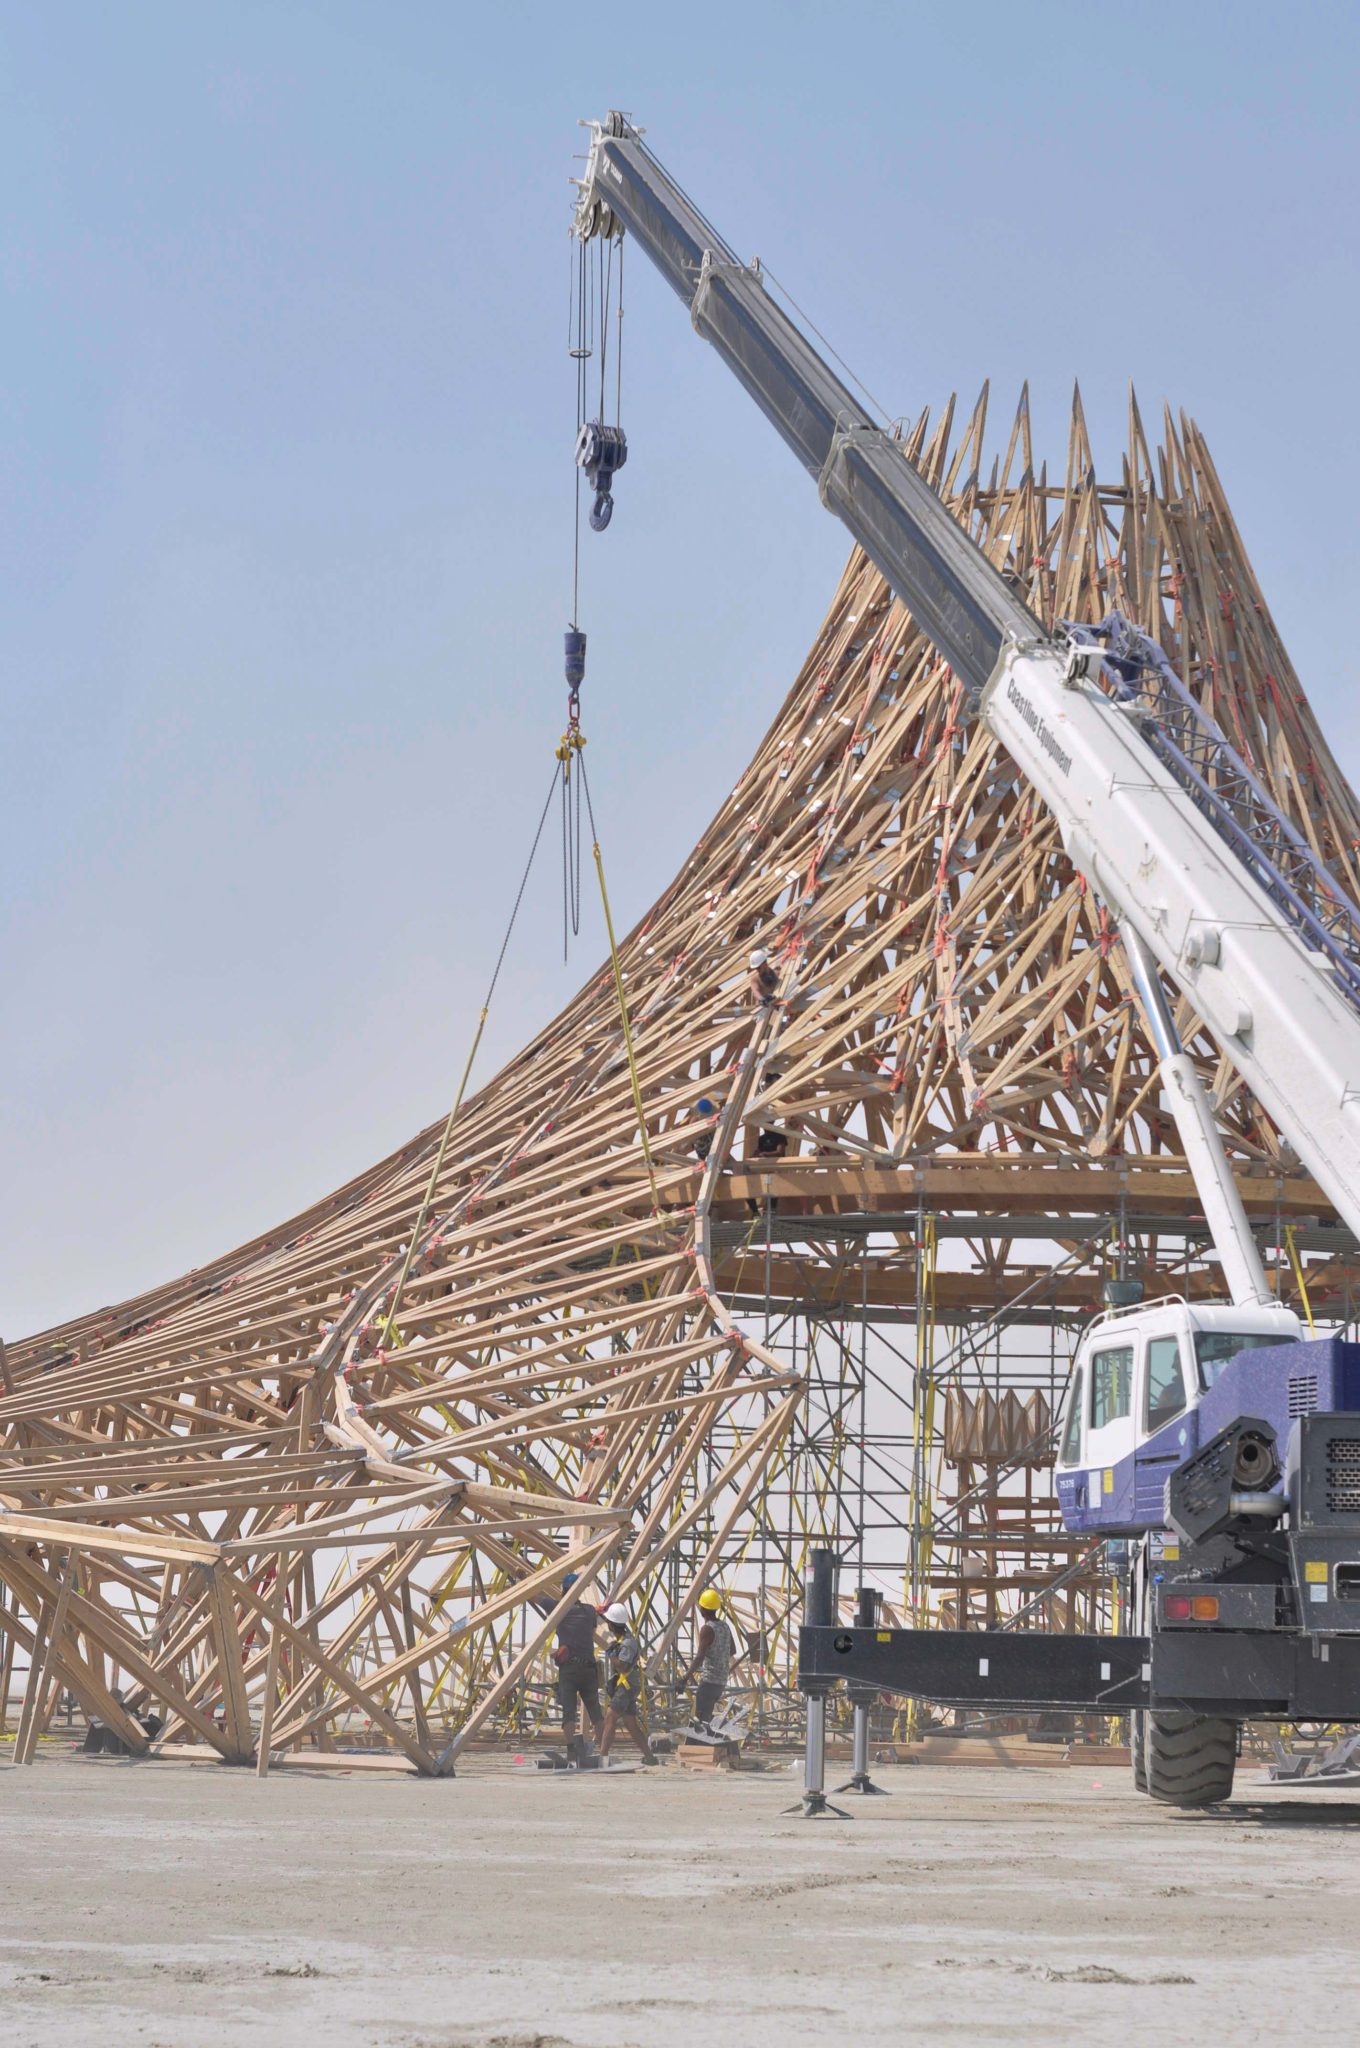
[{"x": 1132, "y": 1409}]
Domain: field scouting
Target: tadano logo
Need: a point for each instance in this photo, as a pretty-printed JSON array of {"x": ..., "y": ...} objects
[{"x": 1048, "y": 740}]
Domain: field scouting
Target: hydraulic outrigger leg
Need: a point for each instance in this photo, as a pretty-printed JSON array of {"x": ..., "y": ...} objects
[
  {"x": 862, "y": 1698},
  {"x": 819, "y": 1611}
]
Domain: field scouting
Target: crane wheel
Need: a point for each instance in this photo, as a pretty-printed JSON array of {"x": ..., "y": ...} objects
[
  {"x": 1138, "y": 1749},
  {"x": 1189, "y": 1759}
]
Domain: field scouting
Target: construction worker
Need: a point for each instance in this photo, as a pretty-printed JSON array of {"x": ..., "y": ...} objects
[
  {"x": 763, "y": 980},
  {"x": 625, "y": 1683},
  {"x": 578, "y": 1671},
  {"x": 714, "y": 1655},
  {"x": 703, "y": 1144},
  {"x": 771, "y": 1143},
  {"x": 772, "y": 1140}
]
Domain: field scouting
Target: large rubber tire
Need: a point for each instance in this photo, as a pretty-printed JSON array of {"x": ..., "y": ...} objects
[
  {"x": 1190, "y": 1758},
  {"x": 1138, "y": 1749}
]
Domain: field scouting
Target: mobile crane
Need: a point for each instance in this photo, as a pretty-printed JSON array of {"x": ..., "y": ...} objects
[{"x": 1213, "y": 1436}]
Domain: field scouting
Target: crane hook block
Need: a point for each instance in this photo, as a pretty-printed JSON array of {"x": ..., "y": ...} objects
[
  {"x": 601, "y": 452},
  {"x": 576, "y": 658}
]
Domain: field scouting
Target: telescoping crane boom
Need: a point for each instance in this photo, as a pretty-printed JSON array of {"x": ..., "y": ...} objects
[
  {"x": 1154, "y": 806},
  {"x": 1211, "y": 884}
]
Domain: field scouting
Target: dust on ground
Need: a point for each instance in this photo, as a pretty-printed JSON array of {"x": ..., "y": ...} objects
[{"x": 177, "y": 1906}]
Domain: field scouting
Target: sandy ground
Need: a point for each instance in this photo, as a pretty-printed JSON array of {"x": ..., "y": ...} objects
[{"x": 197, "y": 1908}]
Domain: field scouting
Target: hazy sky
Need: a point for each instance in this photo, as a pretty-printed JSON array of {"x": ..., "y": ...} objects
[{"x": 287, "y": 423}]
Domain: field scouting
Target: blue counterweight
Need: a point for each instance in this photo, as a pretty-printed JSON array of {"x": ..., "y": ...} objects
[{"x": 575, "y": 641}]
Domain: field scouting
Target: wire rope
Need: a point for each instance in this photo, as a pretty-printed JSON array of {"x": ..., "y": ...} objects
[{"x": 435, "y": 1171}]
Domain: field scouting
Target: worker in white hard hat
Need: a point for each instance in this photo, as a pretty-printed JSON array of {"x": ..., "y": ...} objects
[
  {"x": 763, "y": 979},
  {"x": 625, "y": 1683}
]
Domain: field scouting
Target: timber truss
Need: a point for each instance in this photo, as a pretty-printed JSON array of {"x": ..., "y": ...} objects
[{"x": 248, "y": 1512}]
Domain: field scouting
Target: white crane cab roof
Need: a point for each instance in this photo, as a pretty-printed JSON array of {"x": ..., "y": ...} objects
[
  {"x": 1267, "y": 1320},
  {"x": 1131, "y": 1411}
]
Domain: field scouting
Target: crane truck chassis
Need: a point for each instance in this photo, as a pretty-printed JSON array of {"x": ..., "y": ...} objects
[
  {"x": 1212, "y": 1441},
  {"x": 1247, "y": 1607}
]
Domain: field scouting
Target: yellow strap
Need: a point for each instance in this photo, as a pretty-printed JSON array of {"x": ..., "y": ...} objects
[
  {"x": 627, "y": 1028},
  {"x": 1297, "y": 1264}
]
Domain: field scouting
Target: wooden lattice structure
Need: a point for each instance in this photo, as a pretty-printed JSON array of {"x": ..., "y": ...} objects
[{"x": 241, "y": 1503}]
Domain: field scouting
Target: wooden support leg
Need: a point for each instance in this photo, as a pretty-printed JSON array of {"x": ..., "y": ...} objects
[
  {"x": 51, "y": 1621},
  {"x": 271, "y": 1687},
  {"x": 413, "y": 1684},
  {"x": 227, "y": 1640},
  {"x": 309, "y": 1638},
  {"x": 8, "y": 1642}
]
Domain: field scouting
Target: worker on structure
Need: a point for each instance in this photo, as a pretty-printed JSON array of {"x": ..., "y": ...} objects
[
  {"x": 771, "y": 1143},
  {"x": 763, "y": 980},
  {"x": 578, "y": 1671},
  {"x": 772, "y": 1140},
  {"x": 714, "y": 1655},
  {"x": 625, "y": 1683},
  {"x": 703, "y": 1144}
]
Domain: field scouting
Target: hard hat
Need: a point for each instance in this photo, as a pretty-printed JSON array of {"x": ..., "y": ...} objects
[
  {"x": 705, "y": 1107},
  {"x": 710, "y": 1601},
  {"x": 570, "y": 1580},
  {"x": 759, "y": 957},
  {"x": 617, "y": 1614}
]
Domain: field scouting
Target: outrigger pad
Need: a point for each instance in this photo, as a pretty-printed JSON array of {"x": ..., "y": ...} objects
[
  {"x": 578, "y": 1756},
  {"x": 554, "y": 1760}
]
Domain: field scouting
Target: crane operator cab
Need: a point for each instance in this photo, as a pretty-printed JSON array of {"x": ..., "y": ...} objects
[{"x": 1151, "y": 1383}]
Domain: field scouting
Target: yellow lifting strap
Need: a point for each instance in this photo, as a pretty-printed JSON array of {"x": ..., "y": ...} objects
[
  {"x": 571, "y": 743},
  {"x": 1297, "y": 1263},
  {"x": 627, "y": 1027}
]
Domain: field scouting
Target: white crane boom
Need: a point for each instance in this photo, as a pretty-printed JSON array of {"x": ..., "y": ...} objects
[
  {"x": 1271, "y": 1001},
  {"x": 1166, "y": 821}
]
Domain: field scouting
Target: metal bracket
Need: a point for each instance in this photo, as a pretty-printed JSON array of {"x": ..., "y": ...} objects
[
  {"x": 834, "y": 467},
  {"x": 711, "y": 268}
]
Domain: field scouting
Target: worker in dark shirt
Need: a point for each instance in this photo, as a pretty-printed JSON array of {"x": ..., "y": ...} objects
[
  {"x": 763, "y": 979},
  {"x": 771, "y": 1143},
  {"x": 578, "y": 1671},
  {"x": 703, "y": 1144},
  {"x": 772, "y": 1140},
  {"x": 625, "y": 1683}
]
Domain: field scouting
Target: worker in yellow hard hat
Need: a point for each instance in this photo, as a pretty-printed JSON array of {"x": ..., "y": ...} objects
[{"x": 715, "y": 1652}]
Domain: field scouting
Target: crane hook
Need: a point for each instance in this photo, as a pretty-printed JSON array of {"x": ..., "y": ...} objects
[{"x": 601, "y": 452}]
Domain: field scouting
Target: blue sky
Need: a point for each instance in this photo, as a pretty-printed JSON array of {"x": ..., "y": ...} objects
[{"x": 286, "y": 428}]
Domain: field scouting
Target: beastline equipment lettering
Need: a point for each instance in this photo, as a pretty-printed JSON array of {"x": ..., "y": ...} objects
[{"x": 1047, "y": 739}]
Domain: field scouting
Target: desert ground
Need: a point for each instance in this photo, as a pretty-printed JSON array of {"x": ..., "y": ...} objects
[{"x": 198, "y": 1907}]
